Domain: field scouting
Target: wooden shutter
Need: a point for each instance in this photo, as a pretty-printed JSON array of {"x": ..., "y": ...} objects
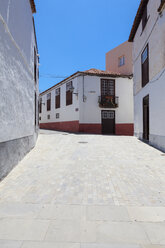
[
  {"x": 35, "y": 65},
  {"x": 49, "y": 102},
  {"x": 145, "y": 66},
  {"x": 69, "y": 93},
  {"x": 57, "y": 104}
]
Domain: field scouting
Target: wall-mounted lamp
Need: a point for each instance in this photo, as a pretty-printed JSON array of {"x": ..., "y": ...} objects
[{"x": 72, "y": 90}]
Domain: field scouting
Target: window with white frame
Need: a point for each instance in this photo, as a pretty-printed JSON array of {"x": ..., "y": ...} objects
[{"x": 122, "y": 61}]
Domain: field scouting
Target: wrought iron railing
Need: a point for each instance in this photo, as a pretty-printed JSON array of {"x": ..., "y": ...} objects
[{"x": 108, "y": 101}]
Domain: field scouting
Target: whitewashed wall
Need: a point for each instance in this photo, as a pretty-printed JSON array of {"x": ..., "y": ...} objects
[
  {"x": 90, "y": 112},
  {"x": 154, "y": 35},
  {"x": 17, "y": 85},
  {"x": 67, "y": 113}
]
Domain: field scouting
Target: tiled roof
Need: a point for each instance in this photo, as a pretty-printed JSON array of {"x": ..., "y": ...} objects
[
  {"x": 33, "y": 6},
  {"x": 90, "y": 72},
  {"x": 138, "y": 18},
  {"x": 100, "y": 72}
]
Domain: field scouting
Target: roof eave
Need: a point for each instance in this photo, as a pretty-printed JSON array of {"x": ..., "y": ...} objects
[
  {"x": 107, "y": 75},
  {"x": 33, "y": 6},
  {"x": 137, "y": 19},
  {"x": 161, "y": 7}
]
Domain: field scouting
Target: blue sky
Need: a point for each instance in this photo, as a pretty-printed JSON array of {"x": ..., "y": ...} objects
[{"x": 74, "y": 35}]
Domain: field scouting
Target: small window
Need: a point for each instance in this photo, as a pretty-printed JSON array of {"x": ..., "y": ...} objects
[
  {"x": 57, "y": 116},
  {"x": 48, "y": 116},
  {"x": 145, "y": 66},
  {"x": 122, "y": 61},
  {"x": 57, "y": 98},
  {"x": 69, "y": 93},
  {"x": 49, "y": 102},
  {"x": 40, "y": 118},
  {"x": 144, "y": 19}
]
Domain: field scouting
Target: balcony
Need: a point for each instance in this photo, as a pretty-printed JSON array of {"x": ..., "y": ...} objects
[{"x": 108, "y": 101}]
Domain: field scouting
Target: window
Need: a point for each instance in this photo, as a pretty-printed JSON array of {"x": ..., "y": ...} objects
[
  {"x": 49, "y": 102},
  {"x": 57, "y": 116},
  {"x": 36, "y": 106},
  {"x": 122, "y": 61},
  {"x": 48, "y": 116},
  {"x": 40, "y": 118},
  {"x": 69, "y": 93},
  {"x": 35, "y": 65},
  {"x": 57, "y": 103},
  {"x": 144, "y": 19},
  {"x": 107, "y": 87},
  {"x": 40, "y": 106},
  {"x": 145, "y": 66}
]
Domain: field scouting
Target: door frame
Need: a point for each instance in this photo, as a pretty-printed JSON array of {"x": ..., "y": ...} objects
[{"x": 114, "y": 129}]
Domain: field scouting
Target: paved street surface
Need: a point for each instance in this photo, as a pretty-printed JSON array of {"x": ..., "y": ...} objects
[{"x": 85, "y": 191}]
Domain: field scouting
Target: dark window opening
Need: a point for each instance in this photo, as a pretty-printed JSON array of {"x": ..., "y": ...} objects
[
  {"x": 57, "y": 116},
  {"x": 40, "y": 106},
  {"x": 69, "y": 93},
  {"x": 35, "y": 65},
  {"x": 144, "y": 19},
  {"x": 57, "y": 103},
  {"x": 49, "y": 102},
  {"x": 107, "y": 87},
  {"x": 35, "y": 108},
  {"x": 145, "y": 66}
]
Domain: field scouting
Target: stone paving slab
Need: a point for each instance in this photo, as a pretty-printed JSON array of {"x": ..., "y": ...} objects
[
  {"x": 10, "y": 244},
  {"x": 108, "y": 213},
  {"x": 155, "y": 232},
  {"x": 49, "y": 245},
  {"x": 61, "y": 212},
  {"x": 85, "y": 191},
  {"x": 147, "y": 214},
  {"x": 19, "y": 210},
  {"x": 23, "y": 229},
  {"x": 121, "y": 232},
  {"x": 109, "y": 246}
]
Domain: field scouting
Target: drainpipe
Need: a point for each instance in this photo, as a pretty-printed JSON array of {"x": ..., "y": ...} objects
[{"x": 83, "y": 90}]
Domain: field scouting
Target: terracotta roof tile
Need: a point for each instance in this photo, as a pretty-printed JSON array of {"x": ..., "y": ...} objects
[
  {"x": 90, "y": 72},
  {"x": 100, "y": 72}
]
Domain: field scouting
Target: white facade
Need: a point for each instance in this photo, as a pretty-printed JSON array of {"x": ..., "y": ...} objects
[
  {"x": 153, "y": 35},
  {"x": 85, "y": 108},
  {"x": 18, "y": 108}
]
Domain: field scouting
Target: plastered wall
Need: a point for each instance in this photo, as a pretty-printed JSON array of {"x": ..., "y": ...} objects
[{"x": 17, "y": 84}]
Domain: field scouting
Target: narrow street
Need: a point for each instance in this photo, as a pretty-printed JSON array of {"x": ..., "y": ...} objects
[{"x": 85, "y": 191}]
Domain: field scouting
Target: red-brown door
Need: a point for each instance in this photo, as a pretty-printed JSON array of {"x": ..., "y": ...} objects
[{"x": 108, "y": 122}]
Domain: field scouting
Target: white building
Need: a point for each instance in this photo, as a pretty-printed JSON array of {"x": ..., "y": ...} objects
[
  {"x": 18, "y": 82},
  {"x": 148, "y": 37},
  {"x": 92, "y": 101}
]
